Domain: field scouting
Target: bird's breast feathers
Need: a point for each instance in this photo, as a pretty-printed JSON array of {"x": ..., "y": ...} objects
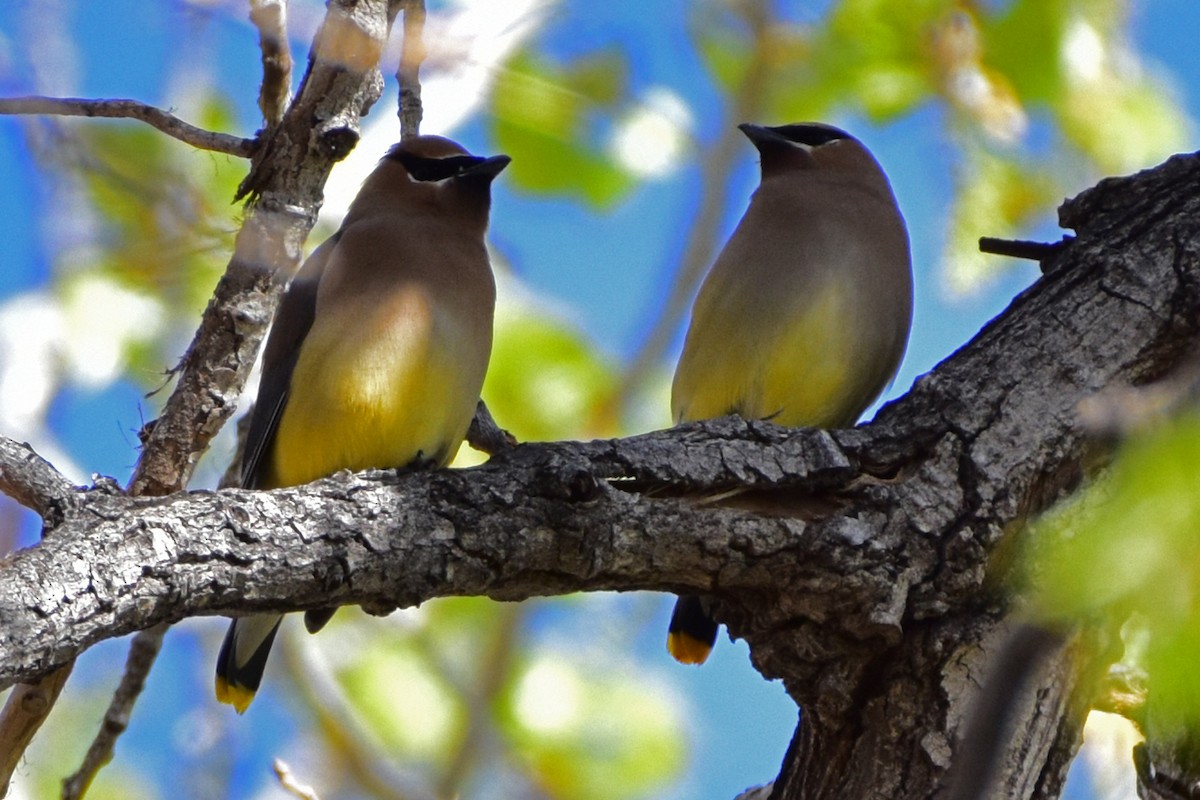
[
  {"x": 384, "y": 388},
  {"x": 787, "y": 364}
]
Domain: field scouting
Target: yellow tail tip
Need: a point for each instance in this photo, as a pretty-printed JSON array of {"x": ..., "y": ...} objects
[
  {"x": 237, "y": 696},
  {"x": 686, "y": 650}
]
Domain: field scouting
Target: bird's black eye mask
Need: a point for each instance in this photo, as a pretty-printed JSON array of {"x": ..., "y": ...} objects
[
  {"x": 435, "y": 169},
  {"x": 813, "y": 135}
]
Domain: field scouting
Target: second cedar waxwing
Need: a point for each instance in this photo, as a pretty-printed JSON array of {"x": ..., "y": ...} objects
[
  {"x": 805, "y": 314},
  {"x": 378, "y": 351}
]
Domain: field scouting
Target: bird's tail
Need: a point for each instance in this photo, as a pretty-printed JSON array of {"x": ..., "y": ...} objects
[
  {"x": 243, "y": 658},
  {"x": 693, "y": 631}
]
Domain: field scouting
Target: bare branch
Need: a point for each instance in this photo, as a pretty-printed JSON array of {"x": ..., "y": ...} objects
[
  {"x": 289, "y": 782},
  {"x": 270, "y": 17},
  {"x": 446, "y": 532},
  {"x": 33, "y": 482},
  {"x": 26, "y": 710},
  {"x": 142, "y": 654},
  {"x": 168, "y": 123},
  {"x": 408, "y": 74}
]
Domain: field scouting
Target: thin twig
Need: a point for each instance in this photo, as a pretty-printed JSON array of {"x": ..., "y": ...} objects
[
  {"x": 26, "y": 710},
  {"x": 289, "y": 783},
  {"x": 142, "y": 653},
  {"x": 715, "y": 166},
  {"x": 131, "y": 109},
  {"x": 1019, "y": 248},
  {"x": 369, "y": 763},
  {"x": 32, "y": 481},
  {"x": 495, "y": 671},
  {"x": 408, "y": 74},
  {"x": 270, "y": 17}
]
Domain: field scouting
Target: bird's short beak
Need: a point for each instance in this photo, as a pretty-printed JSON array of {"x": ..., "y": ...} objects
[
  {"x": 489, "y": 167},
  {"x": 760, "y": 134}
]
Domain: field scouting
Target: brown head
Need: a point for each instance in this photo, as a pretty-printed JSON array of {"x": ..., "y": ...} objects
[
  {"x": 431, "y": 171},
  {"x": 815, "y": 146}
]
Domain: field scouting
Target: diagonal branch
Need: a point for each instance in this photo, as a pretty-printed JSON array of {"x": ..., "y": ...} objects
[
  {"x": 716, "y": 165},
  {"x": 33, "y": 482},
  {"x": 142, "y": 654},
  {"x": 270, "y": 17},
  {"x": 168, "y": 123}
]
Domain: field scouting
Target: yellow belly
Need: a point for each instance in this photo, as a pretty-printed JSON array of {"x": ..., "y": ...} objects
[
  {"x": 376, "y": 393},
  {"x": 795, "y": 371}
]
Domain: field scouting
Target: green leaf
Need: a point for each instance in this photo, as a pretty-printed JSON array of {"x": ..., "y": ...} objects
[
  {"x": 1128, "y": 545},
  {"x": 544, "y": 116},
  {"x": 545, "y": 381},
  {"x": 588, "y": 735}
]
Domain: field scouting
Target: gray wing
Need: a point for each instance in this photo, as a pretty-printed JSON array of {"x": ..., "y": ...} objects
[{"x": 292, "y": 323}]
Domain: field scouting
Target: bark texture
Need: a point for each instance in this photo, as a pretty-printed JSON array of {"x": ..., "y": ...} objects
[{"x": 865, "y": 567}]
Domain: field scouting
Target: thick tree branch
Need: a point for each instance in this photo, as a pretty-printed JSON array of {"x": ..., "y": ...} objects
[
  {"x": 31, "y": 480},
  {"x": 863, "y": 567},
  {"x": 168, "y": 123},
  {"x": 433, "y": 534}
]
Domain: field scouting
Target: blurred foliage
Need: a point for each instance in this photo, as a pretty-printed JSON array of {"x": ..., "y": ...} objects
[
  {"x": 545, "y": 379},
  {"x": 546, "y": 112},
  {"x": 162, "y": 231},
  {"x": 1127, "y": 549},
  {"x": 461, "y": 688},
  {"x": 1007, "y": 77}
]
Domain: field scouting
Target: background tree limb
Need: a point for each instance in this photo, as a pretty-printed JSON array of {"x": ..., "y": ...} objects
[{"x": 168, "y": 123}]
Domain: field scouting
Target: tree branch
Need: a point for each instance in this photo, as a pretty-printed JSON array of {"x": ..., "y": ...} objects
[
  {"x": 142, "y": 654},
  {"x": 31, "y": 480},
  {"x": 716, "y": 166},
  {"x": 270, "y": 17},
  {"x": 235, "y": 550},
  {"x": 408, "y": 74},
  {"x": 168, "y": 123}
]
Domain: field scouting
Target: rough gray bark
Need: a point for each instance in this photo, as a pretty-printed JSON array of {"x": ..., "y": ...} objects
[{"x": 865, "y": 568}]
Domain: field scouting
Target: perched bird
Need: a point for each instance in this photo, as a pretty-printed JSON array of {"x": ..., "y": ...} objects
[
  {"x": 378, "y": 351},
  {"x": 805, "y": 314}
]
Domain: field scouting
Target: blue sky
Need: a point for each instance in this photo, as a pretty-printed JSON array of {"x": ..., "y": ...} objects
[{"x": 746, "y": 722}]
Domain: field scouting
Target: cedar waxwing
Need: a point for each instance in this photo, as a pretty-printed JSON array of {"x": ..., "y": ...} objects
[
  {"x": 805, "y": 314},
  {"x": 378, "y": 351}
]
